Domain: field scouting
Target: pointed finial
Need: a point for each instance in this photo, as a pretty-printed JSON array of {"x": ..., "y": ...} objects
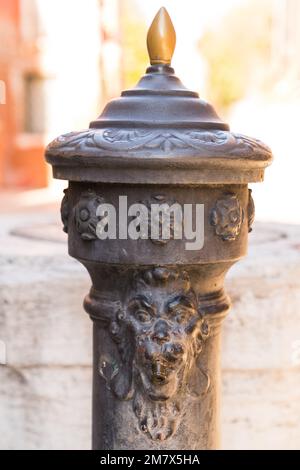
[{"x": 161, "y": 39}]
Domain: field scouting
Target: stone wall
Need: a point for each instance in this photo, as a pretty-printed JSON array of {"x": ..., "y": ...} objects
[{"x": 45, "y": 388}]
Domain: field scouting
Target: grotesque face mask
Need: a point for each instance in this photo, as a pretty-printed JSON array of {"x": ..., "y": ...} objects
[
  {"x": 159, "y": 334},
  {"x": 163, "y": 317}
]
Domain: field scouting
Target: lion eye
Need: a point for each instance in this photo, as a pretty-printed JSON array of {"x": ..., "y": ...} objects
[
  {"x": 142, "y": 316},
  {"x": 180, "y": 316}
]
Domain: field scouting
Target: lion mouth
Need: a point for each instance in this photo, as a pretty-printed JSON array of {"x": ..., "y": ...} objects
[
  {"x": 159, "y": 379},
  {"x": 160, "y": 373},
  {"x": 158, "y": 384}
]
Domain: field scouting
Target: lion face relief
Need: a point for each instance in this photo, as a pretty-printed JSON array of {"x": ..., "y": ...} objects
[
  {"x": 159, "y": 335},
  {"x": 167, "y": 336}
]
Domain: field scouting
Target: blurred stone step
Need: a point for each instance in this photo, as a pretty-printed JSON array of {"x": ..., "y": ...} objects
[{"x": 45, "y": 388}]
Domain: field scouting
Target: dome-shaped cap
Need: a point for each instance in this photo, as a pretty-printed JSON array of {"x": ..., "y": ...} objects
[
  {"x": 159, "y": 132},
  {"x": 160, "y": 99}
]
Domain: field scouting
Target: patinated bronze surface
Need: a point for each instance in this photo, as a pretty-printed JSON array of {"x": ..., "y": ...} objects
[{"x": 157, "y": 307}]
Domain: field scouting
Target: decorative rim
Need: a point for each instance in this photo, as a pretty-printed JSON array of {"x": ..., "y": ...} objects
[{"x": 158, "y": 142}]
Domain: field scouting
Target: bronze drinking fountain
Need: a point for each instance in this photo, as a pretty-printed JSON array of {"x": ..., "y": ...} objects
[{"x": 157, "y": 304}]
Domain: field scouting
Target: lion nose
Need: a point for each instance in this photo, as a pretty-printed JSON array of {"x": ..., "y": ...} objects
[{"x": 161, "y": 332}]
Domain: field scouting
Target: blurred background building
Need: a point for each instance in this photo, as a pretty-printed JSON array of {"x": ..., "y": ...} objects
[
  {"x": 57, "y": 60},
  {"x": 60, "y": 61}
]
